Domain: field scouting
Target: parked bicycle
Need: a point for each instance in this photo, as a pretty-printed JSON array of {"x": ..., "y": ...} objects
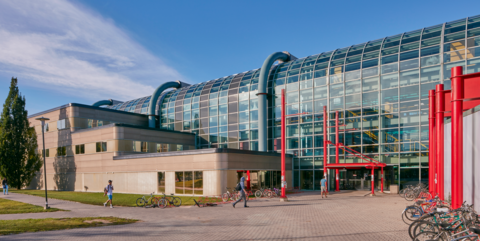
[
  {"x": 263, "y": 192},
  {"x": 143, "y": 201},
  {"x": 169, "y": 200}
]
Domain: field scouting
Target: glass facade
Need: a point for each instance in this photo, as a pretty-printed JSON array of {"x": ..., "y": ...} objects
[{"x": 380, "y": 89}]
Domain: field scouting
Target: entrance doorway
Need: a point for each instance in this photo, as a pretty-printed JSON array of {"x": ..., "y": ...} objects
[{"x": 360, "y": 178}]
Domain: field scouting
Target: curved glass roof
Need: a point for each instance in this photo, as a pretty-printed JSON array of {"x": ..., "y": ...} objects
[{"x": 340, "y": 65}]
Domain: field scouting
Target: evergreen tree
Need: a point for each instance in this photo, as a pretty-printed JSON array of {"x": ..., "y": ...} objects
[{"x": 18, "y": 141}]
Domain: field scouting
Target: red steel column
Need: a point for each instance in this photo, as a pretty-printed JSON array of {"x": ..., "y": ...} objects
[
  {"x": 457, "y": 136},
  {"x": 439, "y": 115},
  {"x": 325, "y": 147},
  {"x": 283, "y": 145},
  {"x": 337, "y": 181},
  {"x": 373, "y": 185},
  {"x": 248, "y": 179},
  {"x": 432, "y": 172},
  {"x": 381, "y": 182}
]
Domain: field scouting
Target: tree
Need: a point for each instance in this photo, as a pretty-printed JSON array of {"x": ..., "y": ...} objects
[{"x": 18, "y": 141}]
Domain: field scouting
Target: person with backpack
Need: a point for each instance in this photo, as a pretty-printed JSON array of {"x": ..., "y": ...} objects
[
  {"x": 108, "y": 191},
  {"x": 241, "y": 187},
  {"x": 5, "y": 186}
]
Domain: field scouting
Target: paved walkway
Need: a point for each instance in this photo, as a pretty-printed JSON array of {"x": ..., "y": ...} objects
[{"x": 343, "y": 216}]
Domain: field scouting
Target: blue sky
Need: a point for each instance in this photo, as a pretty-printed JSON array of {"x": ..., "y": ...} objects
[{"x": 85, "y": 50}]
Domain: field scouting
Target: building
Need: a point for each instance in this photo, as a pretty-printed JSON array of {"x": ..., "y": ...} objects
[{"x": 380, "y": 89}]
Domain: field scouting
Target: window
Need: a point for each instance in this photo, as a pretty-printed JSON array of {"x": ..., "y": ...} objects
[
  {"x": 189, "y": 182},
  {"x": 80, "y": 149},
  {"x": 45, "y": 127},
  {"x": 61, "y": 124},
  {"x": 161, "y": 182},
  {"x": 101, "y": 146},
  {"x": 62, "y": 151},
  {"x": 47, "y": 153},
  {"x": 144, "y": 146}
]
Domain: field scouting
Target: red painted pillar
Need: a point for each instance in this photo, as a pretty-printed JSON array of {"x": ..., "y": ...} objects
[
  {"x": 325, "y": 147},
  {"x": 432, "y": 172},
  {"x": 381, "y": 182},
  {"x": 283, "y": 146},
  {"x": 373, "y": 185},
  {"x": 457, "y": 136},
  {"x": 439, "y": 115},
  {"x": 337, "y": 181},
  {"x": 248, "y": 179}
]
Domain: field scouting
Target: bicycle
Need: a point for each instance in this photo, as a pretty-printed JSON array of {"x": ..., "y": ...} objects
[
  {"x": 169, "y": 200},
  {"x": 141, "y": 202},
  {"x": 263, "y": 192},
  {"x": 234, "y": 195}
]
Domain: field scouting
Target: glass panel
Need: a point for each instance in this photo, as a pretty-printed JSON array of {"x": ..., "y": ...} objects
[
  {"x": 389, "y": 68},
  {"x": 370, "y": 84},
  {"x": 321, "y": 92},
  {"x": 430, "y": 74},
  {"x": 390, "y": 120},
  {"x": 409, "y": 93},
  {"x": 336, "y": 90},
  {"x": 370, "y": 98},
  {"x": 390, "y": 96},
  {"x": 188, "y": 182},
  {"x": 353, "y": 101},
  {"x": 198, "y": 182},
  {"x": 389, "y": 81},
  {"x": 352, "y": 87},
  {"x": 179, "y": 183},
  {"x": 409, "y": 64},
  {"x": 409, "y": 77}
]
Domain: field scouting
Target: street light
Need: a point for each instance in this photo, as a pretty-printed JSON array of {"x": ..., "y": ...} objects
[{"x": 43, "y": 119}]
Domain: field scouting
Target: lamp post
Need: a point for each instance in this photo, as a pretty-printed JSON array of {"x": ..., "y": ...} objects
[{"x": 43, "y": 119}]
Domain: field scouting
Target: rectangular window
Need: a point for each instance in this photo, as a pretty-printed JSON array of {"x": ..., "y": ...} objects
[
  {"x": 80, "y": 149},
  {"x": 101, "y": 146},
  {"x": 161, "y": 182},
  {"x": 62, "y": 151},
  {"x": 179, "y": 183},
  {"x": 61, "y": 124}
]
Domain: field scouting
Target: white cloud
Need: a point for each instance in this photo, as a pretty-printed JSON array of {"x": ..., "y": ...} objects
[{"x": 65, "y": 46}]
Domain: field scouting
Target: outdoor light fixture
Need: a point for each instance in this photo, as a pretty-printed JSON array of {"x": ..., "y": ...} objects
[{"x": 43, "y": 119}]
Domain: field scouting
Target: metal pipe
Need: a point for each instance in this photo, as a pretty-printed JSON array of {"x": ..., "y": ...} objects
[
  {"x": 283, "y": 196},
  {"x": 153, "y": 100},
  {"x": 432, "y": 181},
  {"x": 439, "y": 115},
  {"x": 457, "y": 136},
  {"x": 325, "y": 147},
  {"x": 373, "y": 190},
  {"x": 381, "y": 182},
  {"x": 337, "y": 182},
  {"x": 262, "y": 96},
  {"x": 103, "y": 102}
]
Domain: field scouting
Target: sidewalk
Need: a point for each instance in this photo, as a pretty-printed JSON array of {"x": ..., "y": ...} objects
[{"x": 342, "y": 216}]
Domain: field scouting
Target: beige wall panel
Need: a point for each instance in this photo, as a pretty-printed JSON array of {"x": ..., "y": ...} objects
[
  {"x": 70, "y": 150},
  {"x": 90, "y": 148},
  {"x": 132, "y": 182},
  {"x": 212, "y": 183},
  {"x": 111, "y": 146},
  {"x": 147, "y": 182},
  {"x": 170, "y": 182},
  {"x": 94, "y": 182}
]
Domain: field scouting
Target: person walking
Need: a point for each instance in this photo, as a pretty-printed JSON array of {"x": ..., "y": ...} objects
[
  {"x": 324, "y": 186},
  {"x": 5, "y": 186},
  {"x": 108, "y": 191},
  {"x": 242, "y": 193}
]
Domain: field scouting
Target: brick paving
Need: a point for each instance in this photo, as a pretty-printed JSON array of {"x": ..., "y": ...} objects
[{"x": 342, "y": 216}]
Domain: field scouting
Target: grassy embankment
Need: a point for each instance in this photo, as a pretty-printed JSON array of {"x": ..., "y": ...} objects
[
  {"x": 14, "y": 207},
  {"x": 95, "y": 198},
  {"x": 48, "y": 224}
]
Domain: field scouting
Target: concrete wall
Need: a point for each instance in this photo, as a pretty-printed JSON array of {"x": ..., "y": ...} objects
[{"x": 471, "y": 157}]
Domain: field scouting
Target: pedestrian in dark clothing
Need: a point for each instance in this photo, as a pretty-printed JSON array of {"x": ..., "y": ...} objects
[
  {"x": 242, "y": 193},
  {"x": 5, "y": 186}
]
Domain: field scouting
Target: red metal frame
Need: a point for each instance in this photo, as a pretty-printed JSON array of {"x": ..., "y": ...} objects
[
  {"x": 432, "y": 180},
  {"x": 439, "y": 119},
  {"x": 283, "y": 146},
  {"x": 371, "y": 163},
  {"x": 463, "y": 96}
]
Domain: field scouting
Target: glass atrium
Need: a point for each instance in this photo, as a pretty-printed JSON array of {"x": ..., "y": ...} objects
[{"x": 380, "y": 89}]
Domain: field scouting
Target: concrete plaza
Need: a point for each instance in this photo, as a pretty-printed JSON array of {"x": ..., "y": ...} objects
[{"x": 342, "y": 216}]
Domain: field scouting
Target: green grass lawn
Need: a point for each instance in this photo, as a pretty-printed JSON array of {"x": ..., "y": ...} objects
[
  {"x": 48, "y": 224},
  {"x": 12, "y": 207},
  {"x": 96, "y": 198}
]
